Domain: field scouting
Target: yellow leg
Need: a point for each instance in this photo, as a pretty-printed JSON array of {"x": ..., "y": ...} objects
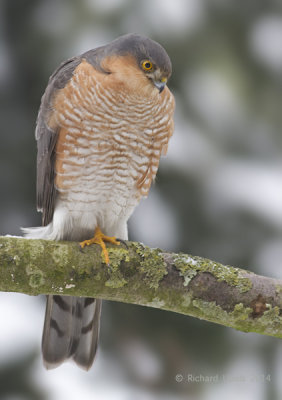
[{"x": 100, "y": 238}]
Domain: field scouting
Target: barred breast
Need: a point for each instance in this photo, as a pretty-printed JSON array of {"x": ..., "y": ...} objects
[{"x": 109, "y": 145}]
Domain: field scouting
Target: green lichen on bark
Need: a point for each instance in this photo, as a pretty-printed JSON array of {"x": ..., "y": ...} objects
[
  {"x": 140, "y": 275},
  {"x": 36, "y": 277},
  {"x": 240, "y": 318},
  {"x": 211, "y": 311},
  {"x": 152, "y": 265},
  {"x": 116, "y": 255},
  {"x": 271, "y": 319},
  {"x": 22, "y": 263},
  {"x": 189, "y": 267}
]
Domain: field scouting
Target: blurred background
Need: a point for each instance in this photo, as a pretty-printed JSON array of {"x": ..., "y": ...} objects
[{"x": 218, "y": 193}]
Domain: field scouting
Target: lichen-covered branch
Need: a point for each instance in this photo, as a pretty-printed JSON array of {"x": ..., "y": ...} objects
[{"x": 139, "y": 275}]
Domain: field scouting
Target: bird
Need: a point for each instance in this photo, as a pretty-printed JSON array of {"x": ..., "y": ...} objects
[{"x": 105, "y": 119}]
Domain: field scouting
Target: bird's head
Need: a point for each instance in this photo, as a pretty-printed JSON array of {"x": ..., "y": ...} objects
[{"x": 142, "y": 55}]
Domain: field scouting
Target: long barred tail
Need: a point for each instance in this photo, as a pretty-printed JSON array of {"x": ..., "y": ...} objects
[
  {"x": 71, "y": 330},
  {"x": 71, "y": 327}
]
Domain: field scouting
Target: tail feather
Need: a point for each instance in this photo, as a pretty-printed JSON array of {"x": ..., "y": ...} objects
[
  {"x": 88, "y": 340},
  {"x": 71, "y": 330}
]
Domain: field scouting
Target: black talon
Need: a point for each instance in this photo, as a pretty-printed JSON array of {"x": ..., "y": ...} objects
[{"x": 123, "y": 242}]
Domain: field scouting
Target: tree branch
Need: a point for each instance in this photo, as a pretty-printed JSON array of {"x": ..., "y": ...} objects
[{"x": 139, "y": 275}]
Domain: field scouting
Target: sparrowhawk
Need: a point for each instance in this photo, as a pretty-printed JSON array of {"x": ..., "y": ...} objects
[{"x": 105, "y": 119}]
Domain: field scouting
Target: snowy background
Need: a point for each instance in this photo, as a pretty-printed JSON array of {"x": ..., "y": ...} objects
[{"x": 218, "y": 192}]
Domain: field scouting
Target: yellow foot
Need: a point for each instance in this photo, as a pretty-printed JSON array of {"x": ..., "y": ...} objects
[{"x": 100, "y": 238}]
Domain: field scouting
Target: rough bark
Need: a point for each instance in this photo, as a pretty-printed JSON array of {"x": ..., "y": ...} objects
[{"x": 139, "y": 275}]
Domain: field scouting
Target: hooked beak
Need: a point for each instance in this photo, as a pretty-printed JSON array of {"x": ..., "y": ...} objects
[{"x": 160, "y": 85}]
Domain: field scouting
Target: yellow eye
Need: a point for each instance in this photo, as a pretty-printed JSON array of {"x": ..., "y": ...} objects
[{"x": 147, "y": 65}]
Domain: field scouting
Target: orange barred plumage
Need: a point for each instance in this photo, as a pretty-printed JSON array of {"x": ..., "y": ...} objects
[{"x": 104, "y": 122}]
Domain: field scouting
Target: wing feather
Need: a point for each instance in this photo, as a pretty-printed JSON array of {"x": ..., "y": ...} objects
[{"x": 47, "y": 137}]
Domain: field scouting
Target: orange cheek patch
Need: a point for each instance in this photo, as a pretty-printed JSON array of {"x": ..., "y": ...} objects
[{"x": 125, "y": 74}]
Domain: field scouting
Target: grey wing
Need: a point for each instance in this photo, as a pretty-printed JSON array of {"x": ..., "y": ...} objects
[{"x": 46, "y": 137}]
